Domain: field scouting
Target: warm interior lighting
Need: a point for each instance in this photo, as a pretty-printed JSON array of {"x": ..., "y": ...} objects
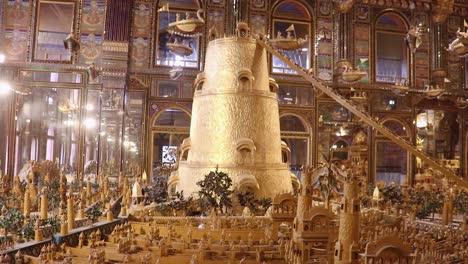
[
  {"x": 421, "y": 120},
  {"x": 4, "y": 87},
  {"x": 2, "y": 58},
  {"x": 90, "y": 122},
  {"x": 89, "y": 107}
]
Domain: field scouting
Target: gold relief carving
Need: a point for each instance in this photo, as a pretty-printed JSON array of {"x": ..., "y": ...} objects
[
  {"x": 441, "y": 10},
  {"x": 136, "y": 82},
  {"x": 344, "y": 6}
]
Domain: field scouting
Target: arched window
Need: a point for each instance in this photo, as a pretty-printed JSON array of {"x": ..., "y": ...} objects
[
  {"x": 292, "y": 19},
  {"x": 391, "y": 159},
  {"x": 391, "y": 51},
  {"x": 173, "y": 117},
  {"x": 297, "y": 137},
  {"x": 169, "y": 130},
  {"x": 178, "y": 42}
]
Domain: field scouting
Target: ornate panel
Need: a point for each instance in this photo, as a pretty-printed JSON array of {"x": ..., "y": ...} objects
[
  {"x": 361, "y": 47},
  {"x": 141, "y": 32},
  {"x": 16, "y": 21},
  {"x": 324, "y": 49}
]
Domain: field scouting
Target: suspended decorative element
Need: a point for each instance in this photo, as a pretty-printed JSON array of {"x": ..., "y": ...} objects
[
  {"x": 71, "y": 43},
  {"x": 189, "y": 25},
  {"x": 180, "y": 48},
  {"x": 350, "y": 75},
  {"x": 460, "y": 45},
  {"x": 433, "y": 91},
  {"x": 290, "y": 42},
  {"x": 461, "y": 102},
  {"x": 93, "y": 74},
  {"x": 414, "y": 37}
]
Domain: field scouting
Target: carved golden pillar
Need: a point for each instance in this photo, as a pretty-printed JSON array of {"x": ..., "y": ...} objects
[
  {"x": 44, "y": 209},
  {"x": 70, "y": 213},
  {"x": 27, "y": 204}
]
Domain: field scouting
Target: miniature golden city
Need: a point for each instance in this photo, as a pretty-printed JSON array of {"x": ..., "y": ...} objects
[{"x": 222, "y": 187}]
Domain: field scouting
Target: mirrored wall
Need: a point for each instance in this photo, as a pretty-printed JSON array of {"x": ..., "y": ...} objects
[{"x": 84, "y": 129}]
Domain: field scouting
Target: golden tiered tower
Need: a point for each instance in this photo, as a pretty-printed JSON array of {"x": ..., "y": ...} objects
[
  {"x": 235, "y": 121},
  {"x": 347, "y": 246}
]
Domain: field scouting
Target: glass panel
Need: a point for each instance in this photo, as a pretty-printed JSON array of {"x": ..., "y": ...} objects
[
  {"x": 133, "y": 145},
  {"x": 164, "y": 55},
  {"x": 298, "y": 147},
  {"x": 55, "y": 22},
  {"x": 396, "y": 127},
  {"x": 391, "y": 163},
  {"x": 340, "y": 150},
  {"x": 92, "y": 127},
  {"x": 111, "y": 131},
  {"x": 391, "y": 58},
  {"x": 300, "y": 56},
  {"x": 48, "y": 128},
  {"x": 5, "y": 100},
  {"x": 168, "y": 89},
  {"x": 438, "y": 135},
  {"x": 291, "y": 123},
  {"x": 187, "y": 89},
  {"x": 53, "y": 77},
  {"x": 173, "y": 117},
  {"x": 390, "y": 102},
  {"x": 295, "y": 95},
  {"x": 165, "y": 147}
]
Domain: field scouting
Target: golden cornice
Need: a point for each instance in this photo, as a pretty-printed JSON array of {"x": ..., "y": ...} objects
[
  {"x": 256, "y": 93},
  {"x": 112, "y": 46}
]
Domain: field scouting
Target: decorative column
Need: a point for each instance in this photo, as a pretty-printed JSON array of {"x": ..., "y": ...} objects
[
  {"x": 63, "y": 225},
  {"x": 44, "y": 209},
  {"x": 440, "y": 11},
  {"x": 88, "y": 192},
  {"x": 70, "y": 211},
  {"x": 37, "y": 231},
  {"x": 27, "y": 204}
]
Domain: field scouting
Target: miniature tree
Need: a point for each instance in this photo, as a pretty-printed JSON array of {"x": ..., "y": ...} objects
[
  {"x": 215, "y": 188},
  {"x": 258, "y": 206},
  {"x": 12, "y": 220},
  {"x": 426, "y": 202},
  {"x": 180, "y": 203},
  {"x": 94, "y": 213},
  {"x": 460, "y": 202},
  {"x": 392, "y": 193}
]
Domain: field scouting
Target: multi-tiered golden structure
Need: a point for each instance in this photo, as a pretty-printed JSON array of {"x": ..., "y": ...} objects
[{"x": 235, "y": 121}]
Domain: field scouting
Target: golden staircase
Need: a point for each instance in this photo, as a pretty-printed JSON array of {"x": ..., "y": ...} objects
[{"x": 353, "y": 108}]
